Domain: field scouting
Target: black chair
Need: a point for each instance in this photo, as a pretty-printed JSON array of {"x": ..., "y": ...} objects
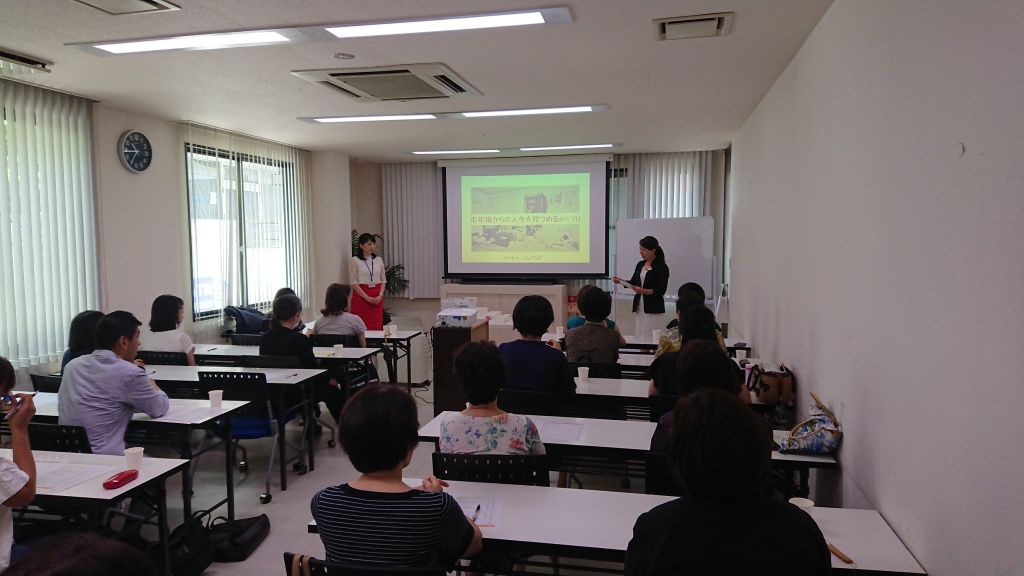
[
  {"x": 246, "y": 339},
  {"x": 315, "y": 567},
  {"x": 349, "y": 340},
  {"x": 493, "y": 468},
  {"x": 271, "y": 361},
  {"x": 661, "y": 405},
  {"x": 153, "y": 358},
  {"x": 57, "y": 438},
  {"x": 657, "y": 478},
  {"x": 598, "y": 369},
  {"x": 45, "y": 383},
  {"x": 532, "y": 403}
]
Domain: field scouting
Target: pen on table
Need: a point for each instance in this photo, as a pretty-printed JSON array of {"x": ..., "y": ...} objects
[
  {"x": 211, "y": 349},
  {"x": 290, "y": 375},
  {"x": 476, "y": 513},
  {"x": 839, "y": 553}
]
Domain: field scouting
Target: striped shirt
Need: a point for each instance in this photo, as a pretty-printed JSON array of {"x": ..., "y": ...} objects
[{"x": 405, "y": 529}]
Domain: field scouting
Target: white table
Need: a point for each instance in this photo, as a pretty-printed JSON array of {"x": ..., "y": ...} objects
[
  {"x": 400, "y": 340},
  {"x": 636, "y": 360},
  {"x": 598, "y": 525},
  {"x": 181, "y": 419},
  {"x": 617, "y": 387}
]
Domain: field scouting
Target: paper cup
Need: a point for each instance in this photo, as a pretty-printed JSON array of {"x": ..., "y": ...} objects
[
  {"x": 339, "y": 348},
  {"x": 560, "y": 331},
  {"x": 656, "y": 336},
  {"x": 393, "y": 328},
  {"x": 584, "y": 373},
  {"x": 216, "y": 396},
  {"x": 133, "y": 458},
  {"x": 802, "y": 503}
]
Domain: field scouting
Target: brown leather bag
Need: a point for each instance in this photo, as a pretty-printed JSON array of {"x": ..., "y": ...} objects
[{"x": 775, "y": 387}]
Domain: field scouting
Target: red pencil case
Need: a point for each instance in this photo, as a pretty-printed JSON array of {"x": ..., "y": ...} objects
[{"x": 120, "y": 479}]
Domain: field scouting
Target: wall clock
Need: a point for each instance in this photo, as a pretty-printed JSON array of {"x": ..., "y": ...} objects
[{"x": 135, "y": 151}]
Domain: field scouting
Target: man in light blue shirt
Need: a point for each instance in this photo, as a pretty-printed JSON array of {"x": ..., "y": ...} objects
[{"x": 103, "y": 390}]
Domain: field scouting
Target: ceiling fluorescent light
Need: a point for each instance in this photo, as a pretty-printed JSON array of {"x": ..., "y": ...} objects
[
  {"x": 458, "y": 152},
  {"x": 566, "y": 110},
  {"x": 578, "y": 146},
  {"x": 438, "y": 25},
  {"x": 377, "y": 118},
  {"x": 197, "y": 42}
]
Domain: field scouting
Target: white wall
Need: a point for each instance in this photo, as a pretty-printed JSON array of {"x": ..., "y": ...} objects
[
  {"x": 886, "y": 265},
  {"x": 332, "y": 225}
]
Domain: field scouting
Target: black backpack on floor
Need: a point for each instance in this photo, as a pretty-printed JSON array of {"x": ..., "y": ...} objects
[
  {"x": 235, "y": 541},
  {"x": 190, "y": 548}
]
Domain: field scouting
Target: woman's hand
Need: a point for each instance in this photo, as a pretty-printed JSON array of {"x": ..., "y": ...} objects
[
  {"x": 25, "y": 411},
  {"x": 433, "y": 484},
  {"x": 616, "y": 280},
  {"x": 637, "y": 289}
]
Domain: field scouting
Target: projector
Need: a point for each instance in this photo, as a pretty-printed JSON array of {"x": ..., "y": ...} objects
[{"x": 463, "y": 317}]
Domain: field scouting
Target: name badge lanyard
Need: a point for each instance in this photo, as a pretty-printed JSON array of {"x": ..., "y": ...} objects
[{"x": 369, "y": 267}]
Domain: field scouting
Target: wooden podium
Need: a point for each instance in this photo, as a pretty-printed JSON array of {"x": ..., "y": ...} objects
[{"x": 447, "y": 339}]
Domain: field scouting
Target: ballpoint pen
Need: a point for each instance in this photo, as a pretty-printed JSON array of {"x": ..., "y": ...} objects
[{"x": 476, "y": 513}]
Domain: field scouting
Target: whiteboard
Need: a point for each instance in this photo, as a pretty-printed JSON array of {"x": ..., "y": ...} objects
[{"x": 688, "y": 244}]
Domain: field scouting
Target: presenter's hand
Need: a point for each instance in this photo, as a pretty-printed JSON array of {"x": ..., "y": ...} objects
[
  {"x": 637, "y": 289},
  {"x": 616, "y": 279}
]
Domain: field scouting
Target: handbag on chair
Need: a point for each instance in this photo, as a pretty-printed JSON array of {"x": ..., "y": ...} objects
[{"x": 771, "y": 384}]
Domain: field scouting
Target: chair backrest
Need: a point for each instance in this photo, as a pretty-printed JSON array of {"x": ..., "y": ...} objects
[
  {"x": 661, "y": 405},
  {"x": 535, "y": 403},
  {"x": 349, "y": 340},
  {"x": 325, "y": 568},
  {"x": 657, "y": 478},
  {"x": 45, "y": 383},
  {"x": 246, "y": 339},
  {"x": 271, "y": 361},
  {"x": 598, "y": 369},
  {"x": 493, "y": 468},
  {"x": 251, "y": 386},
  {"x": 154, "y": 358},
  {"x": 57, "y": 438}
]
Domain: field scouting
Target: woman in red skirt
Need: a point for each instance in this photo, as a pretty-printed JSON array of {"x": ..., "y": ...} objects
[{"x": 366, "y": 272}]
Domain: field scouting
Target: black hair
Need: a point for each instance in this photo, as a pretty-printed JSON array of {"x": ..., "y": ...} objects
[
  {"x": 363, "y": 239},
  {"x": 163, "y": 315},
  {"x": 697, "y": 323},
  {"x": 718, "y": 450},
  {"x": 597, "y": 305},
  {"x": 286, "y": 291},
  {"x": 378, "y": 427},
  {"x": 479, "y": 371},
  {"x": 285, "y": 307},
  {"x": 651, "y": 243},
  {"x": 532, "y": 315},
  {"x": 7, "y": 378},
  {"x": 692, "y": 288},
  {"x": 84, "y": 554},
  {"x": 703, "y": 364},
  {"x": 336, "y": 300},
  {"x": 113, "y": 326},
  {"x": 82, "y": 336},
  {"x": 687, "y": 299}
]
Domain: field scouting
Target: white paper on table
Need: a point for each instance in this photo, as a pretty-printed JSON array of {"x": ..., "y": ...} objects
[
  {"x": 56, "y": 477},
  {"x": 491, "y": 508},
  {"x": 183, "y": 413},
  {"x": 323, "y": 354},
  {"x": 554, "y": 431},
  {"x": 44, "y": 400},
  {"x": 272, "y": 375}
]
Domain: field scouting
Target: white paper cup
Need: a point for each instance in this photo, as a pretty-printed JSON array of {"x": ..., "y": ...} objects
[
  {"x": 802, "y": 503},
  {"x": 393, "y": 328},
  {"x": 559, "y": 330},
  {"x": 339, "y": 348},
  {"x": 133, "y": 458},
  {"x": 216, "y": 396},
  {"x": 584, "y": 373},
  {"x": 656, "y": 336}
]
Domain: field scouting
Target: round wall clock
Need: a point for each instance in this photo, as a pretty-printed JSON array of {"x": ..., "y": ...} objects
[{"x": 135, "y": 151}]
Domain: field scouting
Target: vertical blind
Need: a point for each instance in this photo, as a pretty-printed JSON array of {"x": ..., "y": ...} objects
[
  {"x": 413, "y": 234},
  {"x": 47, "y": 221}
]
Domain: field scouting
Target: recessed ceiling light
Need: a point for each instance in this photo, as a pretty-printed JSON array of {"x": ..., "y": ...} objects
[
  {"x": 375, "y": 118},
  {"x": 565, "y": 110},
  {"x": 546, "y": 16},
  {"x": 576, "y": 147},
  {"x": 458, "y": 152},
  {"x": 197, "y": 42}
]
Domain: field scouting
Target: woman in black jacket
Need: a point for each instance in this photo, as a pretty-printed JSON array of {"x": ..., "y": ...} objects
[{"x": 649, "y": 283}]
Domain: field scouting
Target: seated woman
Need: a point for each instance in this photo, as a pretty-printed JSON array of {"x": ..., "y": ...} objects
[
  {"x": 671, "y": 339},
  {"x": 17, "y": 476},
  {"x": 700, "y": 365},
  {"x": 335, "y": 317},
  {"x": 720, "y": 456},
  {"x": 695, "y": 323},
  {"x": 165, "y": 316},
  {"x": 80, "y": 339},
  {"x": 284, "y": 340},
  {"x": 483, "y": 428},
  {"x": 531, "y": 364},
  {"x": 577, "y": 321},
  {"x": 593, "y": 342},
  {"x": 378, "y": 519}
]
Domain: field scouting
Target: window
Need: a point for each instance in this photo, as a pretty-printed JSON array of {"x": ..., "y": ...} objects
[{"x": 247, "y": 216}]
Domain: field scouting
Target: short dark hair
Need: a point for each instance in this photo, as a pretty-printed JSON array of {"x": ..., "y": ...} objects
[
  {"x": 336, "y": 300},
  {"x": 479, "y": 371},
  {"x": 164, "y": 313},
  {"x": 84, "y": 554},
  {"x": 82, "y": 336},
  {"x": 581, "y": 295},
  {"x": 692, "y": 288},
  {"x": 379, "y": 425},
  {"x": 597, "y": 304},
  {"x": 286, "y": 291},
  {"x": 113, "y": 326},
  {"x": 532, "y": 315},
  {"x": 703, "y": 364},
  {"x": 697, "y": 322},
  {"x": 718, "y": 450},
  {"x": 286, "y": 306},
  {"x": 687, "y": 299},
  {"x": 7, "y": 378}
]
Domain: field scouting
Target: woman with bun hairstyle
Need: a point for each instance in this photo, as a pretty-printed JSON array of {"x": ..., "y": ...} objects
[{"x": 648, "y": 283}]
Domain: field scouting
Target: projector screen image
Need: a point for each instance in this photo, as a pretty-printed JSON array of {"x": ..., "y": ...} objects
[{"x": 526, "y": 220}]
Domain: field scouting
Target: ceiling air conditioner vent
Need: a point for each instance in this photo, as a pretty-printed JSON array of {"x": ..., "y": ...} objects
[
  {"x": 339, "y": 89},
  {"x": 393, "y": 83},
  {"x": 119, "y": 7},
  {"x": 700, "y": 26}
]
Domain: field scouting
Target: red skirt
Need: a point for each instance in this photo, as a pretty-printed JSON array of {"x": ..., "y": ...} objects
[{"x": 372, "y": 314}]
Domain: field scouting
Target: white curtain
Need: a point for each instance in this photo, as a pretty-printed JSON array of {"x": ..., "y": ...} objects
[
  {"x": 413, "y": 231},
  {"x": 249, "y": 217},
  {"x": 48, "y": 270}
]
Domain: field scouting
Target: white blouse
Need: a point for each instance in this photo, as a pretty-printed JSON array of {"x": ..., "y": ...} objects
[{"x": 366, "y": 271}]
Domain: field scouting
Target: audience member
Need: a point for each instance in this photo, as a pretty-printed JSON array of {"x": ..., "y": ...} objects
[
  {"x": 594, "y": 342},
  {"x": 577, "y": 321},
  {"x": 335, "y": 317},
  {"x": 102, "y": 391},
  {"x": 165, "y": 317},
  {"x": 17, "y": 477},
  {"x": 84, "y": 554},
  {"x": 670, "y": 339},
  {"x": 377, "y": 518},
  {"x": 530, "y": 363},
  {"x": 286, "y": 291},
  {"x": 724, "y": 523},
  {"x": 696, "y": 323},
  {"x": 483, "y": 428},
  {"x": 81, "y": 340}
]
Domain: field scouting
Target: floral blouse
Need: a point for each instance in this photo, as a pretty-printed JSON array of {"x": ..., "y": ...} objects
[{"x": 504, "y": 434}]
